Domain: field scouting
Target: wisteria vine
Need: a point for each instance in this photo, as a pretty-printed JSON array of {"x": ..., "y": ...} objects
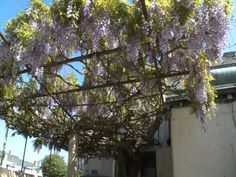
[{"x": 150, "y": 40}]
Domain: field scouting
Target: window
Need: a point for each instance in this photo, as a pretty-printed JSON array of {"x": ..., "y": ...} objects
[{"x": 94, "y": 172}]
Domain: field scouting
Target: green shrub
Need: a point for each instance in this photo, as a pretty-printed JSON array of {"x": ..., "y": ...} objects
[{"x": 54, "y": 166}]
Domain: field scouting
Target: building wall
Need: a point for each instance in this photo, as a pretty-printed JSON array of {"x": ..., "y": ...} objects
[
  {"x": 12, "y": 164},
  {"x": 6, "y": 173},
  {"x": 164, "y": 162},
  {"x": 193, "y": 152},
  {"x": 163, "y": 156},
  {"x": 103, "y": 166},
  {"x": 163, "y": 152},
  {"x": 197, "y": 153}
]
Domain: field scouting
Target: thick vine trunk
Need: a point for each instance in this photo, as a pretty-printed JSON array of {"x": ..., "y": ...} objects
[
  {"x": 72, "y": 156},
  {"x": 129, "y": 166}
]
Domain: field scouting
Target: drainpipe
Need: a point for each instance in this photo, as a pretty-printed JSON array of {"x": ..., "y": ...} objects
[{"x": 113, "y": 168}]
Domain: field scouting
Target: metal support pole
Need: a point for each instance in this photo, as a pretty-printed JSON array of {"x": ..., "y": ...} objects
[
  {"x": 50, "y": 160},
  {"x": 4, "y": 146},
  {"x": 23, "y": 160}
]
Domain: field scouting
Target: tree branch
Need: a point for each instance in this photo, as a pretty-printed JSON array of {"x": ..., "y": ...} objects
[
  {"x": 109, "y": 84},
  {"x": 75, "y": 59},
  {"x": 144, "y": 8},
  {"x": 5, "y": 39}
]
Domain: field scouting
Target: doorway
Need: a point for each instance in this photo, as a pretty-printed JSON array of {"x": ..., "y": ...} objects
[{"x": 148, "y": 164}]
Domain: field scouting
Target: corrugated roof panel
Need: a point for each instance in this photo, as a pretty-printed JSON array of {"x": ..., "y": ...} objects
[{"x": 224, "y": 76}]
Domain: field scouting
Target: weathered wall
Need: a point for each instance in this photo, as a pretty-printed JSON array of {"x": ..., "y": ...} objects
[
  {"x": 6, "y": 173},
  {"x": 102, "y": 165},
  {"x": 164, "y": 162},
  {"x": 204, "y": 154},
  {"x": 163, "y": 152}
]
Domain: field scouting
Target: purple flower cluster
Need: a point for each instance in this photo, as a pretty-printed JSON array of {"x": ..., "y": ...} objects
[
  {"x": 87, "y": 8},
  {"x": 209, "y": 32},
  {"x": 132, "y": 51}
]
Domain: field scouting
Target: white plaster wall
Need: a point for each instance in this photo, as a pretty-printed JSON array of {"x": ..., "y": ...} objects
[
  {"x": 164, "y": 162},
  {"x": 102, "y": 165},
  {"x": 197, "y": 153},
  {"x": 163, "y": 152},
  {"x": 6, "y": 173}
]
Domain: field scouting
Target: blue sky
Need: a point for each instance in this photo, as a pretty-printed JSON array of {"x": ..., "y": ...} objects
[
  {"x": 8, "y": 10},
  {"x": 231, "y": 41}
]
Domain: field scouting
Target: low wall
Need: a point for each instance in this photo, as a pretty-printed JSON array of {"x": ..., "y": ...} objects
[{"x": 8, "y": 173}]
